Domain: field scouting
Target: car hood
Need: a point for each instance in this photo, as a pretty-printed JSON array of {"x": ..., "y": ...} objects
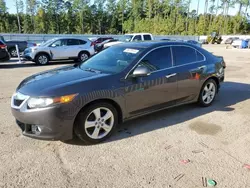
[{"x": 37, "y": 84}]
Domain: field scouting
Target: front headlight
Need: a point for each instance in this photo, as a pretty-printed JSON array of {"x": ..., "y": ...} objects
[{"x": 46, "y": 102}]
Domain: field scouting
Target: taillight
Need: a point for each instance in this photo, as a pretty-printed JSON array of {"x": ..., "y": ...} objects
[
  {"x": 3, "y": 46},
  {"x": 92, "y": 44},
  {"x": 34, "y": 44}
]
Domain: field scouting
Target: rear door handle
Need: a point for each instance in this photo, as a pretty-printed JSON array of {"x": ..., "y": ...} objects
[
  {"x": 202, "y": 67},
  {"x": 171, "y": 75}
]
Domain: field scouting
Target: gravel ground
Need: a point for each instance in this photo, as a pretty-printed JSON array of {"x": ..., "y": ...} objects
[{"x": 145, "y": 152}]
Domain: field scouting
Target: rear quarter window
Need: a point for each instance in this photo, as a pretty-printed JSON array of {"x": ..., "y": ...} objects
[
  {"x": 199, "y": 56},
  {"x": 147, "y": 37},
  {"x": 81, "y": 42}
]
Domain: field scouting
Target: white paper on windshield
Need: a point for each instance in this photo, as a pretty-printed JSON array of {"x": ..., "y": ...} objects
[{"x": 132, "y": 51}]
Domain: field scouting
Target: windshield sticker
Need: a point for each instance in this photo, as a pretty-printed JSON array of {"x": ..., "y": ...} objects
[{"x": 132, "y": 51}]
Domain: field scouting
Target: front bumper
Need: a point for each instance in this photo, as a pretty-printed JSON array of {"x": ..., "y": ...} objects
[
  {"x": 28, "y": 56},
  {"x": 52, "y": 124}
]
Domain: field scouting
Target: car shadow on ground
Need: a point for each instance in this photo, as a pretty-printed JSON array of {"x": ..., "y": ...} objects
[
  {"x": 13, "y": 64},
  {"x": 230, "y": 94}
]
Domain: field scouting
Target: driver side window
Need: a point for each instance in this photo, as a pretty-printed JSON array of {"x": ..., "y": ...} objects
[{"x": 158, "y": 59}]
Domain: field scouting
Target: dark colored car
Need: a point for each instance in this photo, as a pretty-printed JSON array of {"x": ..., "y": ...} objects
[
  {"x": 230, "y": 40},
  {"x": 11, "y": 46},
  {"x": 4, "y": 54},
  {"x": 120, "y": 83},
  {"x": 101, "y": 39},
  {"x": 99, "y": 47}
]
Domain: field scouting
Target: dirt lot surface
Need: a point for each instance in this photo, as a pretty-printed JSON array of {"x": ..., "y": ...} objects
[{"x": 146, "y": 152}]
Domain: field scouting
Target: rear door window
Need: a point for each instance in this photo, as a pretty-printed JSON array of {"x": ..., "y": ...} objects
[
  {"x": 147, "y": 37},
  {"x": 72, "y": 42},
  {"x": 183, "y": 55},
  {"x": 158, "y": 59}
]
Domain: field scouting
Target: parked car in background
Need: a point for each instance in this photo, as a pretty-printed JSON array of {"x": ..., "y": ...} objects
[
  {"x": 120, "y": 83},
  {"x": 101, "y": 39},
  {"x": 99, "y": 47},
  {"x": 11, "y": 46},
  {"x": 60, "y": 49},
  {"x": 4, "y": 54},
  {"x": 230, "y": 40},
  {"x": 241, "y": 43},
  {"x": 134, "y": 37},
  {"x": 194, "y": 43}
]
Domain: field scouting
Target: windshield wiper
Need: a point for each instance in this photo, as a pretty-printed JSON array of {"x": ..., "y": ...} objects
[{"x": 93, "y": 70}]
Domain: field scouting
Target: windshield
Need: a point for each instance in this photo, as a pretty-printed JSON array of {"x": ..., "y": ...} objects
[
  {"x": 126, "y": 38},
  {"x": 47, "y": 42},
  {"x": 112, "y": 60}
]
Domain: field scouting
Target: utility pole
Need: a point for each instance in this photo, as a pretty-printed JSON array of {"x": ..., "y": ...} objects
[{"x": 18, "y": 18}]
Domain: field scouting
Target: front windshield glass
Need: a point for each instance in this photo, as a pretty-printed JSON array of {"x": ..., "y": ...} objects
[
  {"x": 126, "y": 38},
  {"x": 48, "y": 42},
  {"x": 112, "y": 60}
]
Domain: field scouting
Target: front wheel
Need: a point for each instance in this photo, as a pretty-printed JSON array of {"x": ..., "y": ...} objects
[
  {"x": 208, "y": 93},
  {"x": 42, "y": 59},
  {"x": 96, "y": 123}
]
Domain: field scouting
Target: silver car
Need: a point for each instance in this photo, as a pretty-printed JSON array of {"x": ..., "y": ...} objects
[{"x": 60, "y": 49}]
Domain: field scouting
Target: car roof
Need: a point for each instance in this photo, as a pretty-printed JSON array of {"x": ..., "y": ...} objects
[
  {"x": 153, "y": 44},
  {"x": 138, "y": 34}
]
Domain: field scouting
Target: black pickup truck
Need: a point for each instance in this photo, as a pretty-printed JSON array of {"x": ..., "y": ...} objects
[{"x": 11, "y": 46}]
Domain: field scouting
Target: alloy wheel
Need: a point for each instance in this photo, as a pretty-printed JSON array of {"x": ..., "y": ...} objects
[
  {"x": 84, "y": 57},
  {"x": 208, "y": 93},
  {"x": 43, "y": 60},
  {"x": 99, "y": 123}
]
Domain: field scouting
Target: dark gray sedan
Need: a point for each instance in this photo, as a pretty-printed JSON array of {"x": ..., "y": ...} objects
[{"x": 120, "y": 83}]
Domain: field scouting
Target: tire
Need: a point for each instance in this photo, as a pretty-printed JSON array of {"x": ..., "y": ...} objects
[
  {"x": 95, "y": 132},
  {"x": 83, "y": 56},
  {"x": 42, "y": 59},
  {"x": 205, "y": 98},
  {"x": 13, "y": 52}
]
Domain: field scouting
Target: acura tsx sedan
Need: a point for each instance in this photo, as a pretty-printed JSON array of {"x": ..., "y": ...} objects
[{"x": 120, "y": 83}]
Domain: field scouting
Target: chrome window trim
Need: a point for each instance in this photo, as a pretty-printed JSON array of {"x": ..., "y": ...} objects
[{"x": 173, "y": 66}]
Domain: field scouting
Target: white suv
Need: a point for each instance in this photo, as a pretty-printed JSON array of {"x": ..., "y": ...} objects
[{"x": 60, "y": 49}]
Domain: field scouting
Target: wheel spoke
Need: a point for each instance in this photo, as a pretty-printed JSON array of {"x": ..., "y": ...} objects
[
  {"x": 210, "y": 87},
  {"x": 204, "y": 97},
  {"x": 206, "y": 88},
  {"x": 107, "y": 115},
  {"x": 95, "y": 134},
  {"x": 89, "y": 124},
  {"x": 106, "y": 127},
  {"x": 97, "y": 113}
]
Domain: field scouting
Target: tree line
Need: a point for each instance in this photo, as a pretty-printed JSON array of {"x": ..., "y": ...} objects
[{"x": 163, "y": 17}]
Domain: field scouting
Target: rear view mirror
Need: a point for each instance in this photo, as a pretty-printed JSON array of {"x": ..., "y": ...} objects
[{"x": 141, "y": 71}]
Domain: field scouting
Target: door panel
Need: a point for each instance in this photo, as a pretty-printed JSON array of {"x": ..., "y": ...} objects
[
  {"x": 189, "y": 72},
  {"x": 189, "y": 81},
  {"x": 151, "y": 93},
  {"x": 59, "y": 49}
]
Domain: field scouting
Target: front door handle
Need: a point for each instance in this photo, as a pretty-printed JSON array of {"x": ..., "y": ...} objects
[
  {"x": 171, "y": 75},
  {"x": 202, "y": 67}
]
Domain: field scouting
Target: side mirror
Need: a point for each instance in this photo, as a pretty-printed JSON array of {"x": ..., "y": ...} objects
[{"x": 141, "y": 71}]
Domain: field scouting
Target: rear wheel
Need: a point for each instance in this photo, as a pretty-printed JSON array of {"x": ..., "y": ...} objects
[
  {"x": 83, "y": 56},
  {"x": 42, "y": 59},
  {"x": 13, "y": 52},
  {"x": 208, "y": 93},
  {"x": 96, "y": 123}
]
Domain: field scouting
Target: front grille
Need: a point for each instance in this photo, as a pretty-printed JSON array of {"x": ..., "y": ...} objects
[
  {"x": 18, "y": 102},
  {"x": 24, "y": 127}
]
